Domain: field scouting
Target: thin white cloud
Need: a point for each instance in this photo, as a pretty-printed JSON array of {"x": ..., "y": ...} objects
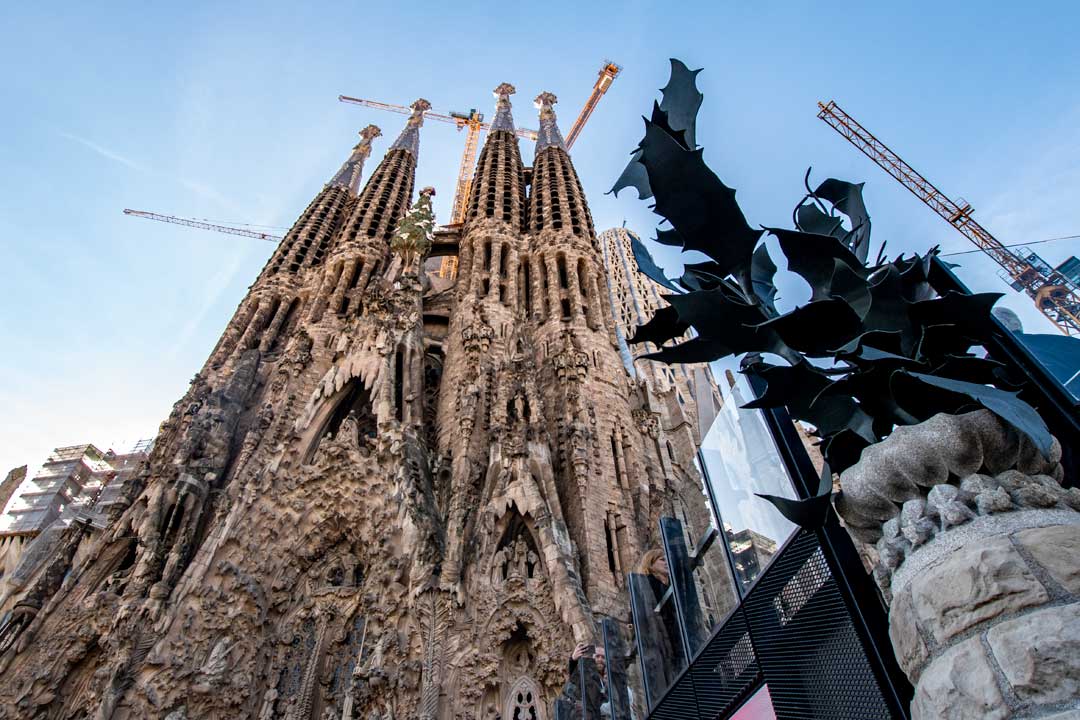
[
  {"x": 201, "y": 189},
  {"x": 213, "y": 288},
  {"x": 106, "y": 152}
]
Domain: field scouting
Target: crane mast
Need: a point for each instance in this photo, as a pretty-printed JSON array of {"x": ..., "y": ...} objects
[
  {"x": 1054, "y": 295},
  {"x": 472, "y": 122},
  {"x": 270, "y": 237},
  {"x": 608, "y": 72}
]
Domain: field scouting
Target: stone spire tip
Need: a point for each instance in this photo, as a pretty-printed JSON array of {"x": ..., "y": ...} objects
[
  {"x": 549, "y": 134},
  {"x": 349, "y": 174},
  {"x": 504, "y": 120},
  {"x": 409, "y": 139}
]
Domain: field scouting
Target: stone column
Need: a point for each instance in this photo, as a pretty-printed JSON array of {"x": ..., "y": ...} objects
[
  {"x": 539, "y": 298},
  {"x": 573, "y": 287},
  {"x": 981, "y": 566},
  {"x": 338, "y": 296}
]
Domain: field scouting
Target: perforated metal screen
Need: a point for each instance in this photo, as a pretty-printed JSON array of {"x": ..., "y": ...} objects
[{"x": 792, "y": 632}]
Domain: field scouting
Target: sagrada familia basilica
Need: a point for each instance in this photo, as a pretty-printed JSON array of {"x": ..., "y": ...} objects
[{"x": 390, "y": 493}]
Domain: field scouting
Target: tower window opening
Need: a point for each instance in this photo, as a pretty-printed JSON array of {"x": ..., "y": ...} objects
[
  {"x": 485, "y": 285},
  {"x": 502, "y": 292},
  {"x": 615, "y": 457},
  {"x": 582, "y": 275},
  {"x": 609, "y": 536},
  {"x": 564, "y": 281},
  {"x": 355, "y": 277},
  {"x": 287, "y": 323},
  {"x": 526, "y": 284},
  {"x": 399, "y": 385},
  {"x": 487, "y": 254},
  {"x": 503, "y": 252},
  {"x": 565, "y": 309}
]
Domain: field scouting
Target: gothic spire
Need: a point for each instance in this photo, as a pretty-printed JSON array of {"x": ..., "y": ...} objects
[
  {"x": 349, "y": 174},
  {"x": 504, "y": 120},
  {"x": 549, "y": 135},
  {"x": 409, "y": 139}
]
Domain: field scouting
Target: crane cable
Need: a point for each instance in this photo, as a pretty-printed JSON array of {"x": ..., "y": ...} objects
[{"x": 1023, "y": 244}]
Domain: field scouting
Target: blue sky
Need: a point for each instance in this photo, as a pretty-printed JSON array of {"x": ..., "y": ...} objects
[{"x": 229, "y": 112}]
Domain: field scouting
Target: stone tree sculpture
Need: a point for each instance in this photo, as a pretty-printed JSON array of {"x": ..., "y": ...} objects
[{"x": 950, "y": 482}]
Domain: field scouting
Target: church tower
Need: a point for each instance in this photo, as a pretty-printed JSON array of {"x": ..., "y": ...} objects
[{"x": 384, "y": 495}]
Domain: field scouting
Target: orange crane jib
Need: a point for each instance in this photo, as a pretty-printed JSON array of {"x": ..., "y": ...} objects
[{"x": 1053, "y": 294}]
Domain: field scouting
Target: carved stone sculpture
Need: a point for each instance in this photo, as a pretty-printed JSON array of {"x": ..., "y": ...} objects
[{"x": 977, "y": 547}]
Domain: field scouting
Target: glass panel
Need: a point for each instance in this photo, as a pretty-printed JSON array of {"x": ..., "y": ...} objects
[
  {"x": 592, "y": 692},
  {"x": 740, "y": 460},
  {"x": 564, "y": 710},
  {"x": 618, "y": 690},
  {"x": 657, "y": 636},
  {"x": 687, "y": 601}
]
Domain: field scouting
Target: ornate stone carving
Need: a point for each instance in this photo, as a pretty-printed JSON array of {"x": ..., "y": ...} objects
[
  {"x": 477, "y": 335},
  {"x": 571, "y": 364},
  {"x": 947, "y": 505}
]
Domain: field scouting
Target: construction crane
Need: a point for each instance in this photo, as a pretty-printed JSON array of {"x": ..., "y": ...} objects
[
  {"x": 472, "y": 122},
  {"x": 1054, "y": 294},
  {"x": 608, "y": 72},
  {"x": 204, "y": 225}
]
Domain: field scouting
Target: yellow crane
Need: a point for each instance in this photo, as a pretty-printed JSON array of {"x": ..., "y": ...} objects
[{"x": 473, "y": 123}]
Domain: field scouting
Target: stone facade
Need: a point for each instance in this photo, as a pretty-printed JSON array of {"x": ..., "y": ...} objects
[
  {"x": 635, "y": 299},
  {"x": 977, "y": 546},
  {"x": 384, "y": 495}
]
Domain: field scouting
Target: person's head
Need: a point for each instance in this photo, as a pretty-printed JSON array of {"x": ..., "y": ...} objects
[
  {"x": 655, "y": 564},
  {"x": 600, "y": 657}
]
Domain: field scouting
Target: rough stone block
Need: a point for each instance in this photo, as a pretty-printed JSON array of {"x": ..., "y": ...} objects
[
  {"x": 959, "y": 684},
  {"x": 1057, "y": 549},
  {"x": 1040, "y": 653},
  {"x": 975, "y": 583},
  {"x": 911, "y": 651}
]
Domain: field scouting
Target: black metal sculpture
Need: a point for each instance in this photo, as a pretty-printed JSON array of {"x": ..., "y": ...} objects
[{"x": 874, "y": 347}]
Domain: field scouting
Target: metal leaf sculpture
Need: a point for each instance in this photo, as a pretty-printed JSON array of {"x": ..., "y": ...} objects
[{"x": 887, "y": 351}]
